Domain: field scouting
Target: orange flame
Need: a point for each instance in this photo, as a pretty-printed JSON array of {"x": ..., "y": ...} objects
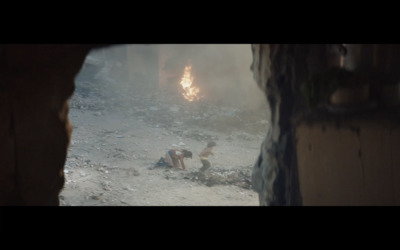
[{"x": 190, "y": 93}]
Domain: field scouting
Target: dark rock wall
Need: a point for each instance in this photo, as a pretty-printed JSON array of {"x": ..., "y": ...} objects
[
  {"x": 35, "y": 83},
  {"x": 280, "y": 71}
]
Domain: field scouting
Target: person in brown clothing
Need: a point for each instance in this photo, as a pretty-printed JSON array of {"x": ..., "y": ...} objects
[{"x": 204, "y": 156}]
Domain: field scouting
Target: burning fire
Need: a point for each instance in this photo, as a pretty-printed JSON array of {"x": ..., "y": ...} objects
[{"x": 190, "y": 93}]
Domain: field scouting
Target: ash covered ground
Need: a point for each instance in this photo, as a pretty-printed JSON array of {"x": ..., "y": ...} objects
[{"x": 119, "y": 134}]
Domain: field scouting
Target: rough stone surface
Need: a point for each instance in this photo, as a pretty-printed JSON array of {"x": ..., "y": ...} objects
[
  {"x": 279, "y": 71},
  {"x": 35, "y": 83}
]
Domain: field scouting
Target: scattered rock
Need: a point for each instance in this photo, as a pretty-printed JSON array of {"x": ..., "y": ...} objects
[
  {"x": 95, "y": 197},
  {"x": 105, "y": 186},
  {"x": 223, "y": 177}
]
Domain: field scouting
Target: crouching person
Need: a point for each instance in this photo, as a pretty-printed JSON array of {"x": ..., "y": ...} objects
[{"x": 174, "y": 157}]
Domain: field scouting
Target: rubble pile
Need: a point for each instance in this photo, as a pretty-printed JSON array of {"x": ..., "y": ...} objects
[{"x": 219, "y": 176}]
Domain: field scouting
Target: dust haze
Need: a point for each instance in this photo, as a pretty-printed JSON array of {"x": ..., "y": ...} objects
[
  {"x": 221, "y": 71},
  {"x": 128, "y": 109}
]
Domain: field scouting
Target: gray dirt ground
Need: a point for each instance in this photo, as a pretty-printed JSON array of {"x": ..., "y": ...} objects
[{"x": 118, "y": 136}]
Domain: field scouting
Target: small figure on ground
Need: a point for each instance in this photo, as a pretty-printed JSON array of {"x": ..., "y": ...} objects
[
  {"x": 204, "y": 156},
  {"x": 174, "y": 158}
]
